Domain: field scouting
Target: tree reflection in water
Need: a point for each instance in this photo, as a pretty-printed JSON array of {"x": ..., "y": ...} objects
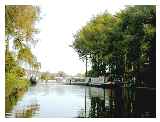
[
  {"x": 27, "y": 112},
  {"x": 21, "y": 111},
  {"x": 83, "y": 101},
  {"x": 122, "y": 102}
]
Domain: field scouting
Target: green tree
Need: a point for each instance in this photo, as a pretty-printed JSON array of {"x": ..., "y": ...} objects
[
  {"x": 123, "y": 44},
  {"x": 20, "y": 29}
]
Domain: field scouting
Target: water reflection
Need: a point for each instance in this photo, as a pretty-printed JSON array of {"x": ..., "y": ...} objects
[
  {"x": 49, "y": 100},
  {"x": 27, "y": 112},
  {"x": 123, "y": 103}
]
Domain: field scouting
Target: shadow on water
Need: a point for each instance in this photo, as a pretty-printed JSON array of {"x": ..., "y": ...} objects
[
  {"x": 122, "y": 103},
  {"x": 82, "y": 101}
]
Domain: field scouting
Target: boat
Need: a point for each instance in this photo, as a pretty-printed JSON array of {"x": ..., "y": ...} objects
[{"x": 33, "y": 80}]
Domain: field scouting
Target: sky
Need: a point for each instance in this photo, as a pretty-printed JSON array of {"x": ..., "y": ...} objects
[{"x": 59, "y": 21}]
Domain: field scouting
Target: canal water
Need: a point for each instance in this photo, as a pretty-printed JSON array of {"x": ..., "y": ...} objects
[{"x": 57, "y": 100}]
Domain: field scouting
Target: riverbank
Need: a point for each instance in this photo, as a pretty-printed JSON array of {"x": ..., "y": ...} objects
[
  {"x": 15, "y": 89},
  {"x": 12, "y": 99},
  {"x": 107, "y": 85}
]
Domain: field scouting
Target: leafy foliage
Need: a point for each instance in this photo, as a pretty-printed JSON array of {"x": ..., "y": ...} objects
[
  {"x": 47, "y": 76},
  {"x": 20, "y": 28},
  {"x": 122, "y": 44}
]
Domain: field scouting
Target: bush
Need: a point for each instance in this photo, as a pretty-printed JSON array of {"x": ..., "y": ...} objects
[{"x": 12, "y": 83}]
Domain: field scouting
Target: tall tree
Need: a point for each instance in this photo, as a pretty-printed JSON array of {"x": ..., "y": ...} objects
[
  {"x": 20, "y": 29},
  {"x": 123, "y": 43}
]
